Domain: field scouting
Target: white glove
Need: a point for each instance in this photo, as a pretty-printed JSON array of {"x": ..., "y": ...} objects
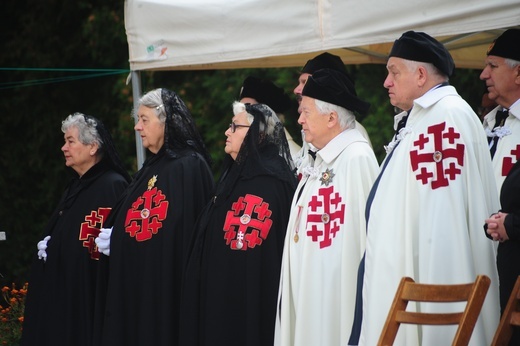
[
  {"x": 42, "y": 246},
  {"x": 103, "y": 240}
]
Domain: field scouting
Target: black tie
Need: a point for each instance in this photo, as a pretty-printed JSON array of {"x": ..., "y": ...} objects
[
  {"x": 312, "y": 153},
  {"x": 402, "y": 123},
  {"x": 500, "y": 119}
]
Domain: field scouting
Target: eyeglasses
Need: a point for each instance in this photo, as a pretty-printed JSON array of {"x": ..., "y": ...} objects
[{"x": 234, "y": 127}]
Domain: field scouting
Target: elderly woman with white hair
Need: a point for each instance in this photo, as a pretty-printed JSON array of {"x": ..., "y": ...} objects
[
  {"x": 60, "y": 303},
  {"x": 231, "y": 281},
  {"x": 148, "y": 236}
]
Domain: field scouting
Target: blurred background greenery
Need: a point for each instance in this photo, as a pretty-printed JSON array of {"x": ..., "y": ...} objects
[{"x": 41, "y": 39}]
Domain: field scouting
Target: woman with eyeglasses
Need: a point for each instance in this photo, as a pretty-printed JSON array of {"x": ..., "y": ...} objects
[
  {"x": 147, "y": 237},
  {"x": 59, "y": 308},
  {"x": 231, "y": 281}
]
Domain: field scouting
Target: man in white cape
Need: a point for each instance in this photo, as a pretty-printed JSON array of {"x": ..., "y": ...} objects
[
  {"x": 502, "y": 124},
  {"x": 321, "y": 61},
  {"x": 325, "y": 237},
  {"x": 426, "y": 209}
]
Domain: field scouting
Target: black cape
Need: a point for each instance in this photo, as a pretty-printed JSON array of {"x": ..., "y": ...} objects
[
  {"x": 151, "y": 230},
  {"x": 231, "y": 285},
  {"x": 60, "y": 299}
]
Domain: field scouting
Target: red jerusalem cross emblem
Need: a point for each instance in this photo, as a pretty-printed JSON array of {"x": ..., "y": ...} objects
[
  {"x": 145, "y": 217},
  {"x": 439, "y": 157},
  {"x": 248, "y": 223},
  {"x": 89, "y": 230},
  {"x": 326, "y": 215},
  {"x": 509, "y": 161}
]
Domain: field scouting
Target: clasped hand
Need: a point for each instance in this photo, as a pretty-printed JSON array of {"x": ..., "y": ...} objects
[{"x": 496, "y": 228}]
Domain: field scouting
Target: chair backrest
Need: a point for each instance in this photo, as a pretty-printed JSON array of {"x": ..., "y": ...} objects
[
  {"x": 473, "y": 293},
  {"x": 510, "y": 318}
]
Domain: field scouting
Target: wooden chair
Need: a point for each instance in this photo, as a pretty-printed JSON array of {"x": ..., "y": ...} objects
[
  {"x": 473, "y": 293},
  {"x": 510, "y": 318}
]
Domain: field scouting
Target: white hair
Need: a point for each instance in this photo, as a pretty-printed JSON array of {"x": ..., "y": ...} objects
[
  {"x": 346, "y": 118},
  {"x": 270, "y": 121},
  {"x": 87, "y": 132},
  {"x": 512, "y": 63},
  {"x": 430, "y": 68},
  {"x": 153, "y": 99},
  {"x": 239, "y": 107}
]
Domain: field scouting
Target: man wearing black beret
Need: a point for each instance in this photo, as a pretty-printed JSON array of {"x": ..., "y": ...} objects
[
  {"x": 325, "y": 237},
  {"x": 321, "y": 61},
  {"x": 255, "y": 90},
  {"x": 324, "y": 60},
  {"x": 436, "y": 185},
  {"x": 502, "y": 125}
]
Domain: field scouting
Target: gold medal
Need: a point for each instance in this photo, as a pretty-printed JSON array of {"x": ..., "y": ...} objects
[
  {"x": 152, "y": 182},
  {"x": 296, "y": 238}
]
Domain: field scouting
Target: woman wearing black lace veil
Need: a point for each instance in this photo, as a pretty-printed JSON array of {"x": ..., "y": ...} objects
[
  {"x": 231, "y": 281},
  {"x": 60, "y": 303},
  {"x": 148, "y": 233}
]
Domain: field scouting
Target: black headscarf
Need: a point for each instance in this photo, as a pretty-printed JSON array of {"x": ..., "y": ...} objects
[
  {"x": 261, "y": 153},
  {"x": 180, "y": 131},
  {"x": 257, "y": 137}
]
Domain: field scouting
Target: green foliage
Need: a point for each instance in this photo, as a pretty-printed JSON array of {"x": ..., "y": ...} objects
[
  {"x": 90, "y": 34},
  {"x": 52, "y": 34},
  {"x": 379, "y": 122}
]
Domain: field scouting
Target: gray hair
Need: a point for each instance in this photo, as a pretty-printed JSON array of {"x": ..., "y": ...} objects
[
  {"x": 512, "y": 63},
  {"x": 87, "y": 132},
  {"x": 346, "y": 118},
  {"x": 239, "y": 107},
  {"x": 430, "y": 68},
  {"x": 152, "y": 99}
]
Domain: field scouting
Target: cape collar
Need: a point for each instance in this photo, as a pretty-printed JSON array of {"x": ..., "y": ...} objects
[
  {"x": 490, "y": 117},
  {"x": 339, "y": 143},
  {"x": 434, "y": 95}
]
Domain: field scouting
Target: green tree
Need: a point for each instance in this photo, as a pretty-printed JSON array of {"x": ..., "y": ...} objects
[
  {"x": 52, "y": 35},
  {"x": 90, "y": 34}
]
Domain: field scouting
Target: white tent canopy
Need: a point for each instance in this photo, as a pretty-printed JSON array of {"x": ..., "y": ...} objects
[
  {"x": 220, "y": 34},
  {"x": 215, "y": 34}
]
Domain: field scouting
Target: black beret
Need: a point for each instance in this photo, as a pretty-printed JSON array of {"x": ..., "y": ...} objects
[
  {"x": 324, "y": 60},
  {"x": 506, "y": 45},
  {"x": 418, "y": 46},
  {"x": 264, "y": 91},
  {"x": 334, "y": 87}
]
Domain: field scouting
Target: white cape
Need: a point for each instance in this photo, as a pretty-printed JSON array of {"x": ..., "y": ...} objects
[
  {"x": 508, "y": 147},
  {"x": 426, "y": 219},
  {"x": 319, "y": 270},
  {"x": 300, "y": 156}
]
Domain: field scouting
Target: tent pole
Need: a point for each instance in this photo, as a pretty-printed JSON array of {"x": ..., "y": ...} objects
[{"x": 136, "y": 92}]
